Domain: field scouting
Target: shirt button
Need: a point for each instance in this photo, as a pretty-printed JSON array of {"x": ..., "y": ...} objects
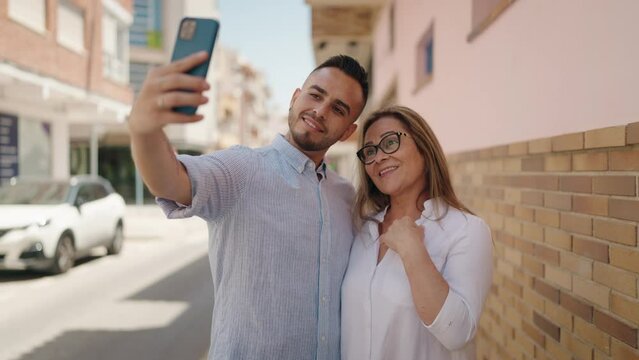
[
  {"x": 323, "y": 260},
  {"x": 323, "y": 338},
  {"x": 323, "y": 299}
]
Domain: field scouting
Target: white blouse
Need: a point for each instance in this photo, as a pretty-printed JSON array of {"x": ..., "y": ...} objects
[{"x": 379, "y": 319}]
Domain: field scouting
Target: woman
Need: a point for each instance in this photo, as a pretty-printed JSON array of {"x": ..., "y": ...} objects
[{"x": 421, "y": 266}]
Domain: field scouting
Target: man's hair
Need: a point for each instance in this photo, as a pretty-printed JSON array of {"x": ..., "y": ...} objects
[{"x": 350, "y": 67}]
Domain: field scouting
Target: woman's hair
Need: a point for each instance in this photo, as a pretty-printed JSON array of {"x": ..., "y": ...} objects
[{"x": 369, "y": 200}]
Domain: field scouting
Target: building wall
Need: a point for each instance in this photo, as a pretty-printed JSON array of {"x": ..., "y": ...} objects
[
  {"x": 564, "y": 215},
  {"x": 543, "y": 68},
  {"x": 43, "y": 55}
]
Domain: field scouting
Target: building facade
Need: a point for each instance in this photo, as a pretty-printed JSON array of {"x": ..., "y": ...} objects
[
  {"x": 63, "y": 78},
  {"x": 534, "y": 103}
]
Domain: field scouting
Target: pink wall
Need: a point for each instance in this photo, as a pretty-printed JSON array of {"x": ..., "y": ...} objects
[{"x": 543, "y": 68}]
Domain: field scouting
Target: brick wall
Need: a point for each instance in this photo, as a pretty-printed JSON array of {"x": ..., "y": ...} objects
[
  {"x": 564, "y": 213},
  {"x": 41, "y": 53}
]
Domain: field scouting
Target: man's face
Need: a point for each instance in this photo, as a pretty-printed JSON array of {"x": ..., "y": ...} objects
[{"x": 324, "y": 110}]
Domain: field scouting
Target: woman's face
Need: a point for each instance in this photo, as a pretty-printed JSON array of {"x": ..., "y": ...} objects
[{"x": 399, "y": 173}]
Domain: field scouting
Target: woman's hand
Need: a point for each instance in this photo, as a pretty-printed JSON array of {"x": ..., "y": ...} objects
[{"x": 404, "y": 237}]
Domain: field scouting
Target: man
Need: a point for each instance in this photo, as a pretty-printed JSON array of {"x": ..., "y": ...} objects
[{"x": 279, "y": 221}]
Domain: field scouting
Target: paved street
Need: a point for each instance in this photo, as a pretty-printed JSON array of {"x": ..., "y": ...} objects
[{"x": 153, "y": 301}]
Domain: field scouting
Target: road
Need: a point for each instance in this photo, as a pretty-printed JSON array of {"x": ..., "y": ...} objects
[{"x": 153, "y": 301}]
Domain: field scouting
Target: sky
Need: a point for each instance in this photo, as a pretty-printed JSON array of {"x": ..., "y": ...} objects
[{"x": 275, "y": 37}]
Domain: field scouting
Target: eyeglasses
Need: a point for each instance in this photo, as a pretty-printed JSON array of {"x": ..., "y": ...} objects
[{"x": 388, "y": 144}]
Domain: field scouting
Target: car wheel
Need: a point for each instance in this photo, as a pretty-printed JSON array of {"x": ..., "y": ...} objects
[
  {"x": 118, "y": 240},
  {"x": 64, "y": 255}
]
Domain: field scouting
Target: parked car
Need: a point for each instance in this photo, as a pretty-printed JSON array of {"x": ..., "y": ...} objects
[{"x": 48, "y": 224}]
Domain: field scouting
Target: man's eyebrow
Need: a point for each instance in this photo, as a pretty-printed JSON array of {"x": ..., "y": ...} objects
[
  {"x": 319, "y": 89},
  {"x": 381, "y": 136},
  {"x": 338, "y": 101}
]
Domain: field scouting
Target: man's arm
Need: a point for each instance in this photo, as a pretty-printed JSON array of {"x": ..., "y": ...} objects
[{"x": 152, "y": 153}]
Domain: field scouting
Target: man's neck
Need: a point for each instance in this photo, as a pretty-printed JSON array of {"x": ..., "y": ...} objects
[{"x": 316, "y": 156}]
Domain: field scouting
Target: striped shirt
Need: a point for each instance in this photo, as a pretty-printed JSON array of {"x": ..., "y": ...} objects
[{"x": 279, "y": 240}]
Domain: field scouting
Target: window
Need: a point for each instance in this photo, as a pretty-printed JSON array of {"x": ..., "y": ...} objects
[
  {"x": 484, "y": 13},
  {"x": 30, "y": 13},
  {"x": 425, "y": 58},
  {"x": 146, "y": 30},
  {"x": 115, "y": 40},
  {"x": 70, "y": 27}
]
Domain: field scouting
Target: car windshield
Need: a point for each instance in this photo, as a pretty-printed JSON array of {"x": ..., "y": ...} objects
[{"x": 32, "y": 193}]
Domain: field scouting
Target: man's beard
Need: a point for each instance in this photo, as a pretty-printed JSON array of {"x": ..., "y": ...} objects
[{"x": 304, "y": 139}]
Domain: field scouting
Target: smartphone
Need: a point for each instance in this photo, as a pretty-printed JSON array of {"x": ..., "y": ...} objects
[{"x": 194, "y": 35}]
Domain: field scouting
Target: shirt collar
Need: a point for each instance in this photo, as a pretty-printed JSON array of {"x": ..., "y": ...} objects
[
  {"x": 372, "y": 229},
  {"x": 295, "y": 157}
]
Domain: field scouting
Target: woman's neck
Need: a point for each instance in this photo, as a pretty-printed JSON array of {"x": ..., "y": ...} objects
[{"x": 406, "y": 205}]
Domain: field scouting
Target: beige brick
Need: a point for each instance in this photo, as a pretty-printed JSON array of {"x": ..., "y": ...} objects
[
  {"x": 568, "y": 142},
  {"x": 525, "y": 246},
  {"x": 512, "y": 226},
  {"x": 593, "y": 292},
  {"x": 535, "y": 198},
  {"x": 557, "y": 351},
  {"x": 632, "y": 133},
  {"x": 593, "y": 205},
  {"x": 615, "y": 185},
  {"x": 624, "y": 209},
  {"x": 580, "y": 349},
  {"x": 615, "y": 278},
  {"x": 576, "y": 264},
  {"x": 548, "y": 327},
  {"x": 558, "y": 201},
  {"x": 533, "y": 164},
  {"x": 592, "y": 334},
  {"x": 533, "y": 232},
  {"x": 590, "y": 161},
  {"x": 548, "y": 291},
  {"x": 505, "y": 268},
  {"x": 622, "y": 351},
  {"x": 607, "y": 137},
  {"x": 533, "y": 299},
  {"x": 558, "y": 314},
  {"x": 512, "y": 165},
  {"x": 558, "y": 277},
  {"x": 520, "y": 148},
  {"x": 579, "y": 184},
  {"x": 558, "y": 238},
  {"x": 535, "y": 334},
  {"x": 624, "y": 160},
  {"x": 499, "y": 151},
  {"x": 624, "y": 258},
  {"x": 576, "y": 223},
  {"x": 558, "y": 162},
  {"x": 533, "y": 266},
  {"x": 512, "y": 256},
  {"x": 525, "y": 343},
  {"x": 599, "y": 355},
  {"x": 595, "y": 250},
  {"x": 615, "y": 231},
  {"x": 512, "y": 195},
  {"x": 625, "y": 307},
  {"x": 539, "y": 146},
  {"x": 524, "y": 213},
  {"x": 546, "y": 254},
  {"x": 547, "y": 217}
]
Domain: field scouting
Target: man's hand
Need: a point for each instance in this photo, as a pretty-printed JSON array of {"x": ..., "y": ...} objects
[{"x": 164, "y": 88}]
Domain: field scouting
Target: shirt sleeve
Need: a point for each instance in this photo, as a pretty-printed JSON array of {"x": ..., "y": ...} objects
[
  {"x": 468, "y": 271},
  {"x": 217, "y": 182}
]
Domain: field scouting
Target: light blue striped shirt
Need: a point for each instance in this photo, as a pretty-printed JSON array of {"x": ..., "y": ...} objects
[{"x": 279, "y": 241}]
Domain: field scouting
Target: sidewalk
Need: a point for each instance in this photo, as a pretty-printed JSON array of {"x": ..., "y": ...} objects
[{"x": 147, "y": 222}]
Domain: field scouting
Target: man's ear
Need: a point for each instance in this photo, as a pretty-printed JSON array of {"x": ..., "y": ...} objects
[
  {"x": 351, "y": 129},
  {"x": 296, "y": 93}
]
